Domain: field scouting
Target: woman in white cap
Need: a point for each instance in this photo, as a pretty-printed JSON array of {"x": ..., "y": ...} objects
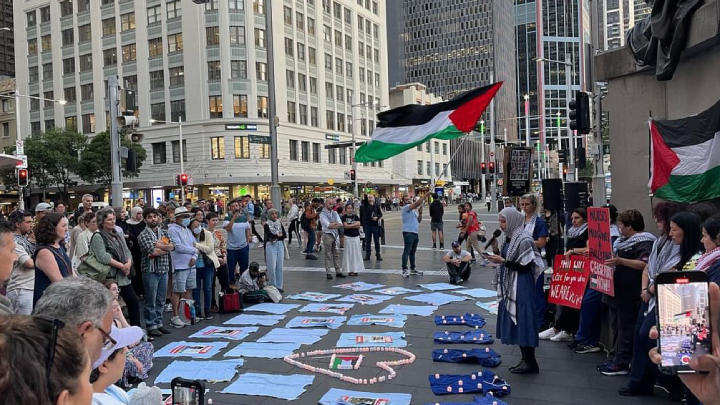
[{"x": 110, "y": 367}]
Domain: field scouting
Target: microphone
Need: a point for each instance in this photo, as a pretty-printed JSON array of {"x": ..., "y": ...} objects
[{"x": 495, "y": 235}]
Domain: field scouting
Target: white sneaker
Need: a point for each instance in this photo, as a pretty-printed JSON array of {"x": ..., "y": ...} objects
[
  {"x": 547, "y": 334},
  {"x": 185, "y": 321},
  {"x": 168, "y": 307},
  {"x": 176, "y": 322},
  {"x": 405, "y": 273},
  {"x": 562, "y": 337}
]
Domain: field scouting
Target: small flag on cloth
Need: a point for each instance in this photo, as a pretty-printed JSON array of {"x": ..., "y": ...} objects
[
  {"x": 685, "y": 157},
  {"x": 405, "y": 127}
]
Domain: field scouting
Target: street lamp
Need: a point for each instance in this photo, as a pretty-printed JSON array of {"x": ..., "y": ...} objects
[
  {"x": 373, "y": 104},
  {"x": 182, "y": 160}
]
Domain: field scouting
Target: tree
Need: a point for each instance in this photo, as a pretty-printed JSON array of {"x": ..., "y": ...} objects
[{"x": 96, "y": 167}]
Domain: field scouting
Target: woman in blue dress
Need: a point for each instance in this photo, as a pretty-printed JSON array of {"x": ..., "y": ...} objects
[
  {"x": 538, "y": 230},
  {"x": 519, "y": 267}
]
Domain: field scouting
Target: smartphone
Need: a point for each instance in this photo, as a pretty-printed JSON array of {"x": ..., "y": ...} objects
[
  {"x": 683, "y": 319},
  {"x": 187, "y": 392},
  {"x": 485, "y": 254}
]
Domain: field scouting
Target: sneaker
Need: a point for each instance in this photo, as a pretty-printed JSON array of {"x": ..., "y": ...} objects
[
  {"x": 329, "y": 277},
  {"x": 574, "y": 344},
  {"x": 562, "y": 337},
  {"x": 584, "y": 349},
  {"x": 208, "y": 317},
  {"x": 442, "y": 246},
  {"x": 310, "y": 257},
  {"x": 168, "y": 307},
  {"x": 615, "y": 369},
  {"x": 603, "y": 365},
  {"x": 177, "y": 322},
  {"x": 434, "y": 247},
  {"x": 163, "y": 330},
  {"x": 378, "y": 258},
  {"x": 259, "y": 245},
  {"x": 405, "y": 273},
  {"x": 154, "y": 333},
  {"x": 548, "y": 333},
  {"x": 453, "y": 282},
  {"x": 340, "y": 275},
  {"x": 414, "y": 272},
  {"x": 629, "y": 392}
]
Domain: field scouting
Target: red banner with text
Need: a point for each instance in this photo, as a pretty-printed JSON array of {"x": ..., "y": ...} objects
[
  {"x": 600, "y": 246},
  {"x": 567, "y": 285}
]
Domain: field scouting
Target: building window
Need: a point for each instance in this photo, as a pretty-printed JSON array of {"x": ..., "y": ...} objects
[
  {"x": 175, "y": 42},
  {"x": 338, "y": 39},
  {"x": 329, "y": 91},
  {"x": 444, "y": 148},
  {"x": 110, "y": 57},
  {"x": 35, "y": 128},
  {"x": 108, "y": 26},
  {"x": 340, "y": 93},
  {"x": 312, "y": 56},
  {"x": 300, "y": 21},
  {"x": 211, "y": 5},
  {"x": 237, "y": 35},
  {"x": 305, "y": 151},
  {"x": 348, "y": 15},
  {"x": 217, "y": 147},
  {"x": 177, "y": 76},
  {"x": 88, "y": 123},
  {"x": 131, "y": 82},
  {"x": 176, "y": 151},
  {"x": 6, "y": 129},
  {"x": 46, "y": 42},
  {"x": 314, "y": 117},
  {"x": 66, "y": 8},
  {"x": 311, "y": 26},
  {"x": 290, "y": 79},
  {"x": 34, "y": 103},
  {"x": 429, "y": 169},
  {"x": 436, "y": 147},
  {"x": 159, "y": 153},
  {"x": 264, "y": 150},
  {"x": 303, "y": 114},
  {"x": 419, "y": 167},
  {"x": 173, "y": 8},
  {"x": 302, "y": 85},
  {"x": 71, "y": 123},
  {"x": 32, "y": 46},
  {"x": 31, "y": 18},
  {"x": 157, "y": 80},
  {"x": 68, "y": 68},
  {"x": 337, "y": 10},
  {"x": 287, "y": 15},
  {"x": 129, "y": 52},
  {"x": 342, "y": 153},
  {"x": 213, "y": 36},
  {"x": 427, "y": 147},
  {"x": 83, "y": 5},
  {"x": 85, "y": 62},
  {"x": 155, "y": 47},
  {"x": 216, "y": 107},
  {"x": 377, "y": 79},
  {"x": 157, "y": 111},
  {"x": 341, "y": 122},
  {"x": 327, "y": 34},
  {"x": 332, "y": 156},
  {"x": 291, "y": 112},
  {"x": 259, "y": 6},
  {"x": 289, "y": 47},
  {"x": 47, "y": 71},
  {"x": 262, "y": 107},
  {"x": 70, "y": 95},
  {"x": 293, "y": 150},
  {"x": 316, "y": 152},
  {"x": 214, "y": 71},
  {"x": 301, "y": 51},
  {"x": 328, "y": 62},
  {"x": 363, "y": 127},
  {"x": 261, "y": 71},
  {"x": 153, "y": 15},
  {"x": 238, "y": 69},
  {"x": 326, "y": 6},
  {"x": 375, "y": 7},
  {"x": 313, "y": 85},
  {"x": 330, "y": 119},
  {"x": 68, "y": 37},
  {"x": 177, "y": 110},
  {"x": 338, "y": 66},
  {"x": 127, "y": 22},
  {"x": 236, "y": 4},
  {"x": 84, "y": 33},
  {"x": 259, "y": 38},
  {"x": 242, "y": 147},
  {"x": 240, "y": 105}
]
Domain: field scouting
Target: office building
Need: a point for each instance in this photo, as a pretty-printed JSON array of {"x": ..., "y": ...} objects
[
  {"x": 452, "y": 47},
  {"x": 615, "y": 18},
  {"x": 207, "y": 65},
  {"x": 7, "y": 44},
  {"x": 7, "y": 114}
]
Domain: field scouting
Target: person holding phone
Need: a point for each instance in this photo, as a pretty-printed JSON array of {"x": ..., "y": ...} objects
[
  {"x": 410, "y": 223},
  {"x": 520, "y": 266},
  {"x": 239, "y": 235},
  {"x": 370, "y": 214},
  {"x": 352, "y": 258}
]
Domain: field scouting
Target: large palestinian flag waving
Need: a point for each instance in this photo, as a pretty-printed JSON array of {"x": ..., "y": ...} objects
[
  {"x": 685, "y": 157},
  {"x": 405, "y": 127}
]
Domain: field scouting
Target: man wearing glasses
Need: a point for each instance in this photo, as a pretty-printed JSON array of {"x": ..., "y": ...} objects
[{"x": 84, "y": 304}]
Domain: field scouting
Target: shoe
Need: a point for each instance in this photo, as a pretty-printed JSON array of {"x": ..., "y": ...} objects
[
  {"x": 340, "y": 275},
  {"x": 629, "y": 392},
  {"x": 453, "y": 282},
  {"x": 281, "y": 291},
  {"x": 615, "y": 369},
  {"x": 154, "y": 333},
  {"x": 310, "y": 257},
  {"x": 524, "y": 368},
  {"x": 414, "y": 272},
  {"x": 547, "y": 333},
  {"x": 459, "y": 281},
  {"x": 603, "y": 365},
  {"x": 329, "y": 277},
  {"x": 259, "y": 245},
  {"x": 176, "y": 322},
  {"x": 214, "y": 309},
  {"x": 208, "y": 317},
  {"x": 405, "y": 273},
  {"x": 168, "y": 307},
  {"x": 352, "y": 274},
  {"x": 442, "y": 246},
  {"x": 366, "y": 258},
  {"x": 574, "y": 344},
  {"x": 562, "y": 337},
  {"x": 378, "y": 258},
  {"x": 434, "y": 247},
  {"x": 584, "y": 349},
  {"x": 522, "y": 361},
  {"x": 163, "y": 330}
]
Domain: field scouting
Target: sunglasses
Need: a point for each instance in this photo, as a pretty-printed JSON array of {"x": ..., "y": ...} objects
[
  {"x": 108, "y": 341},
  {"x": 53, "y": 326}
]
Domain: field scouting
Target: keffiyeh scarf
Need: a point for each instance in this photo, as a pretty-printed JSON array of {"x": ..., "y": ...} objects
[
  {"x": 623, "y": 243},
  {"x": 275, "y": 227},
  {"x": 708, "y": 259},
  {"x": 665, "y": 254},
  {"x": 576, "y": 231}
]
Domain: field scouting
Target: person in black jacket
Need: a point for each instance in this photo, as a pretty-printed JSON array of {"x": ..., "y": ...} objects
[
  {"x": 370, "y": 214},
  {"x": 436, "y": 222}
]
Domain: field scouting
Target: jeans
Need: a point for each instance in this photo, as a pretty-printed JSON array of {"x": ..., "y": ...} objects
[
  {"x": 127, "y": 293},
  {"x": 275, "y": 258},
  {"x": 310, "y": 242},
  {"x": 410, "y": 240},
  {"x": 589, "y": 331},
  {"x": 372, "y": 232},
  {"x": 204, "y": 277},
  {"x": 22, "y": 301},
  {"x": 155, "y": 290},
  {"x": 237, "y": 257}
]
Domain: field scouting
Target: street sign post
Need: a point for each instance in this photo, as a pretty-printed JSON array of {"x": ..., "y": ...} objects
[
  {"x": 24, "y": 163},
  {"x": 259, "y": 139},
  {"x": 19, "y": 147}
]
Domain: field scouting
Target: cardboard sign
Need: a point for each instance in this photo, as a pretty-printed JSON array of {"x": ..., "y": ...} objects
[
  {"x": 567, "y": 285},
  {"x": 518, "y": 171},
  {"x": 600, "y": 246}
]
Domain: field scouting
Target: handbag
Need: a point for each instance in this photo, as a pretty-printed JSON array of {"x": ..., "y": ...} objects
[
  {"x": 274, "y": 294},
  {"x": 230, "y": 302},
  {"x": 92, "y": 268}
]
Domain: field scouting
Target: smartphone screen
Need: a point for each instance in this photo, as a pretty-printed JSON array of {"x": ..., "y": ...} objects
[
  {"x": 187, "y": 392},
  {"x": 683, "y": 319}
]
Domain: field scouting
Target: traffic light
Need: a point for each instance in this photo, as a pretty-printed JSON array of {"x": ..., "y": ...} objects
[
  {"x": 565, "y": 170},
  {"x": 483, "y": 167},
  {"x": 352, "y": 174},
  {"x": 131, "y": 161},
  {"x": 23, "y": 178},
  {"x": 183, "y": 179},
  {"x": 580, "y": 113},
  {"x": 580, "y": 158},
  {"x": 562, "y": 156},
  {"x": 492, "y": 167}
]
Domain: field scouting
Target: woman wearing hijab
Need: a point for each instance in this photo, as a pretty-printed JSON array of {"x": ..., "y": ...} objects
[
  {"x": 710, "y": 261},
  {"x": 520, "y": 266},
  {"x": 274, "y": 249},
  {"x": 135, "y": 225}
]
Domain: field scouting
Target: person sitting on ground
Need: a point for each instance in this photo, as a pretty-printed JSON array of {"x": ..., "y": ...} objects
[
  {"x": 252, "y": 284},
  {"x": 458, "y": 263},
  {"x": 111, "y": 368},
  {"x": 42, "y": 362}
]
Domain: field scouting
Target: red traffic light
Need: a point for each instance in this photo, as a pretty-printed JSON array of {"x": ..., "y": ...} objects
[
  {"x": 483, "y": 167},
  {"x": 22, "y": 177},
  {"x": 352, "y": 174},
  {"x": 492, "y": 167},
  {"x": 183, "y": 179}
]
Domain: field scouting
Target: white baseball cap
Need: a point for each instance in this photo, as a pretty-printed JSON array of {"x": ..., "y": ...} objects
[{"x": 123, "y": 337}]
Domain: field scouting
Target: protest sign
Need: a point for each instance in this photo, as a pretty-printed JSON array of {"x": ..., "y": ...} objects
[
  {"x": 567, "y": 285},
  {"x": 600, "y": 245}
]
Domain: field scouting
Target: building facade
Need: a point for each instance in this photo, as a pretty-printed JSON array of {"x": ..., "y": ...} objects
[
  {"x": 207, "y": 65},
  {"x": 615, "y": 18},
  {"x": 421, "y": 165},
  {"x": 7, "y": 43},
  {"x": 455, "y": 46},
  {"x": 7, "y": 114}
]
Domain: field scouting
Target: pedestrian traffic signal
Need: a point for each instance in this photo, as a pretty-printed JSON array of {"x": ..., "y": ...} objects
[
  {"x": 565, "y": 170},
  {"x": 492, "y": 167},
  {"x": 352, "y": 174},
  {"x": 22, "y": 176},
  {"x": 183, "y": 179},
  {"x": 580, "y": 113},
  {"x": 483, "y": 168},
  {"x": 562, "y": 156}
]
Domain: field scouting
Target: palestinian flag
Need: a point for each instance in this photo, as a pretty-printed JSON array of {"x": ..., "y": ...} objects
[
  {"x": 682, "y": 315},
  {"x": 405, "y": 127},
  {"x": 685, "y": 157}
]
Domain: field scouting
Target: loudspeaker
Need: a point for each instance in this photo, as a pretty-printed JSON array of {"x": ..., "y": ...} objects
[
  {"x": 576, "y": 195},
  {"x": 552, "y": 193}
]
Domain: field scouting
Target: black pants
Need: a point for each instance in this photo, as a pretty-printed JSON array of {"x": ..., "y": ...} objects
[
  {"x": 552, "y": 248},
  {"x": 462, "y": 271},
  {"x": 222, "y": 275},
  {"x": 528, "y": 354},
  {"x": 294, "y": 228},
  {"x": 627, "y": 314},
  {"x": 461, "y": 239},
  {"x": 255, "y": 232},
  {"x": 372, "y": 232},
  {"x": 137, "y": 281},
  {"x": 128, "y": 295},
  {"x": 567, "y": 319}
]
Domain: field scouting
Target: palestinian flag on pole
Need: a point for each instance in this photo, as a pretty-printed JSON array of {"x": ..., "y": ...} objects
[
  {"x": 405, "y": 127},
  {"x": 685, "y": 157}
]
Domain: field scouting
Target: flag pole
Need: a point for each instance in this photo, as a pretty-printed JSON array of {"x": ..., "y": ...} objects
[{"x": 465, "y": 138}]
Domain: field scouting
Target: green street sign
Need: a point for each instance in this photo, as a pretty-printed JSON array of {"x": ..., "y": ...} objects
[{"x": 259, "y": 139}]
